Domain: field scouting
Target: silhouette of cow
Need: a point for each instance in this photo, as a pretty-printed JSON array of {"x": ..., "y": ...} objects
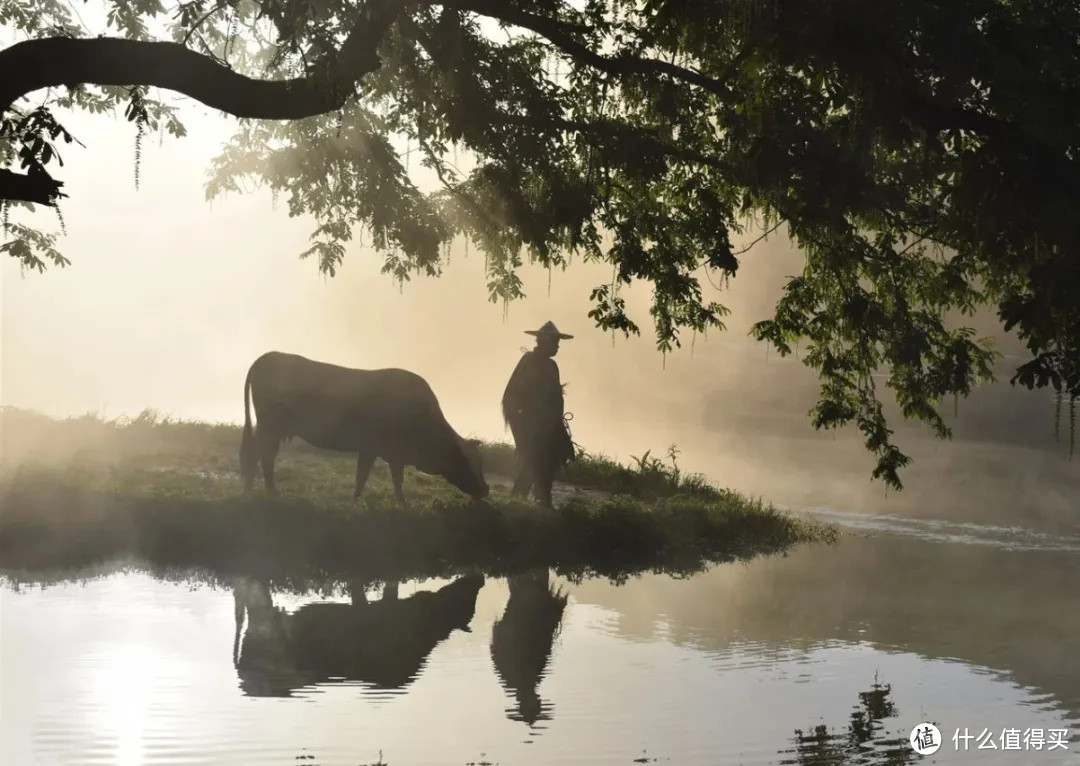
[
  {"x": 383, "y": 643},
  {"x": 390, "y": 413}
]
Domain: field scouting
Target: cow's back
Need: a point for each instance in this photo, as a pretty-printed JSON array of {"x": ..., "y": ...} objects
[
  {"x": 342, "y": 408},
  {"x": 382, "y": 642}
]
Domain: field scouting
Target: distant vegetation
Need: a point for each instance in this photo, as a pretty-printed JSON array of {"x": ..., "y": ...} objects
[{"x": 81, "y": 492}]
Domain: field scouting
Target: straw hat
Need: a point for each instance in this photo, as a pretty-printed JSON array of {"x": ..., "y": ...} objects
[{"x": 549, "y": 329}]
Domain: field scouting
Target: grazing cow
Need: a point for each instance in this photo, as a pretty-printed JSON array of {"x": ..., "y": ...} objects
[{"x": 390, "y": 414}]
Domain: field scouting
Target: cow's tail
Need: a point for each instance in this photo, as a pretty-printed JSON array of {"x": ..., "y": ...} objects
[{"x": 248, "y": 453}]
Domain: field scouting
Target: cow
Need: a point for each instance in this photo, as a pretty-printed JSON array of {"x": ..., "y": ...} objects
[{"x": 390, "y": 414}]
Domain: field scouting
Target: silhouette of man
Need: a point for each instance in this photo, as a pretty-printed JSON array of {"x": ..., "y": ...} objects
[
  {"x": 522, "y": 639},
  {"x": 532, "y": 406}
]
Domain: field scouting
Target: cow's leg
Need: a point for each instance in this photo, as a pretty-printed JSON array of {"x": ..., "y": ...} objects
[
  {"x": 364, "y": 462},
  {"x": 238, "y": 618},
  {"x": 397, "y": 475},
  {"x": 249, "y": 459},
  {"x": 526, "y": 477},
  {"x": 269, "y": 443},
  {"x": 390, "y": 591}
]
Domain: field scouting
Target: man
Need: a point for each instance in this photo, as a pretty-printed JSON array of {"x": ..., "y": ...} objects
[{"x": 532, "y": 406}]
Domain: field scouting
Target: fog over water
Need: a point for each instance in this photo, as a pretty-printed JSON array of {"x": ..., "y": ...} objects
[{"x": 169, "y": 298}]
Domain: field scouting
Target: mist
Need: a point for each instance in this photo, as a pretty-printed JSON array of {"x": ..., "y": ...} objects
[{"x": 169, "y": 299}]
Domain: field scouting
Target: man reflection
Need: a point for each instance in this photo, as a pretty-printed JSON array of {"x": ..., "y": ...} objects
[
  {"x": 383, "y": 643},
  {"x": 521, "y": 642}
]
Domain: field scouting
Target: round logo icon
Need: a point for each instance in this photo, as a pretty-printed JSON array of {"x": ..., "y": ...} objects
[{"x": 925, "y": 739}]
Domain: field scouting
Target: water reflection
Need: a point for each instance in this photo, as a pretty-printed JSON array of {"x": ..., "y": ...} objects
[
  {"x": 521, "y": 641},
  {"x": 1008, "y": 610},
  {"x": 718, "y": 669},
  {"x": 864, "y": 742},
  {"x": 382, "y": 644}
]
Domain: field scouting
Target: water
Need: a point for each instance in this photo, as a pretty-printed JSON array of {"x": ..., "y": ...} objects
[{"x": 904, "y": 621}]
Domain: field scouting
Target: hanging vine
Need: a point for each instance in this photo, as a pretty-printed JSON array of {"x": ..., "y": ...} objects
[
  {"x": 138, "y": 151},
  {"x": 230, "y": 36},
  {"x": 1072, "y": 425},
  {"x": 138, "y": 113},
  {"x": 1057, "y": 416}
]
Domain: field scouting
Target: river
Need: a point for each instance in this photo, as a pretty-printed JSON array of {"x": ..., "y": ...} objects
[{"x": 828, "y": 655}]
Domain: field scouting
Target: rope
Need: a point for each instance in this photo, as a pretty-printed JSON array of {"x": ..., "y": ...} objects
[{"x": 578, "y": 449}]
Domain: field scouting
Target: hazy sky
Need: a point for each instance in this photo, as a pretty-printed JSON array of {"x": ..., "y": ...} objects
[{"x": 169, "y": 299}]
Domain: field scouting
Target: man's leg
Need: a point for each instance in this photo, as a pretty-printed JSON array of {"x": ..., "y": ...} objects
[
  {"x": 523, "y": 479},
  {"x": 545, "y": 476},
  {"x": 525, "y": 441},
  {"x": 546, "y": 465}
]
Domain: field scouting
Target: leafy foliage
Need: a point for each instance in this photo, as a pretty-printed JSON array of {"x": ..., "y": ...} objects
[
  {"x": 922, "y": 154},
  {"x": 32, "y": 248}
]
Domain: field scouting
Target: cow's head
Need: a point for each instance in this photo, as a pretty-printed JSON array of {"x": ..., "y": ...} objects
[
  {"x": 462, "y": 607},
  {"x": 469, "y": 476}
]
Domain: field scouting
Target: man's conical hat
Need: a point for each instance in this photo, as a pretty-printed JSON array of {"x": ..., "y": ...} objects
[{"x": 549, "y": 328}]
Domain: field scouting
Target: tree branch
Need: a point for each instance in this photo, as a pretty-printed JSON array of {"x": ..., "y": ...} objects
[
  {"x": 39, "y": 188},
  {"x": 55, "y": 61},
  {"x": 199, "y": 22},
  {"x": 601, "y": 128},
  {"x": 932, "y": 116},
  {"x": 557, "y": 33}
]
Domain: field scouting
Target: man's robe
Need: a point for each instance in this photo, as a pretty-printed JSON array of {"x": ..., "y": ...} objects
[{"x": 532, "y": 405}]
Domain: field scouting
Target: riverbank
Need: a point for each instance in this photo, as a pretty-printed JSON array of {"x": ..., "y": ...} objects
[{"x": 81, "y": 492}]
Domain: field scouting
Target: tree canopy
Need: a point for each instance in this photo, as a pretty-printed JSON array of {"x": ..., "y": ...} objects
[{"x": 922, "y": 154}]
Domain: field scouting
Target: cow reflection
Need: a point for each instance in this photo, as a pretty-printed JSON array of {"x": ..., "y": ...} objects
[
  {"x": 382, "y": 643},
  {"x": 521, "y": 642}
]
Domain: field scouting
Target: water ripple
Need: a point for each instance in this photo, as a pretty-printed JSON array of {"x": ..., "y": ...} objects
[
  {"x": 135, "y": 671},
  {"x": 1011, "y": 538}
]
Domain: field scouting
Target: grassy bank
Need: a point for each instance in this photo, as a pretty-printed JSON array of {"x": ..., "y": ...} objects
[
  {"x": 77, "y": 493},
  {"x": 151, "y": 440}
]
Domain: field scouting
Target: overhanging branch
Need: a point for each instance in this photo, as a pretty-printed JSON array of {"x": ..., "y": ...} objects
[
  {"x": 57, "y": 61},
  {"x": 931, "y": 116},
  {"x": 558, "y": 33},
  {"x": 39, "y": 188},
  {"x": 605, "y": 129}
]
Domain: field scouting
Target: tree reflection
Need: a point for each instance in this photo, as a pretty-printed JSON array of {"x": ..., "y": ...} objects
[{"x": 864, "y": 742}]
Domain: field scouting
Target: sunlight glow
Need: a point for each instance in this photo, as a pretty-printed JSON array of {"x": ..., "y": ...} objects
[{"x": 127, "y": 684}]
